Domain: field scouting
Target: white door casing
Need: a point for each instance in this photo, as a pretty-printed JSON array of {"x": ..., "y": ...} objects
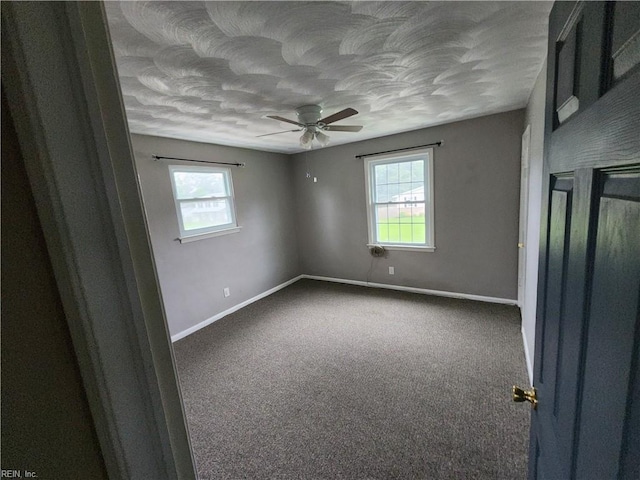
[
  {"x": 524, "y": 208},
  {"x": 61, "y": 84}
]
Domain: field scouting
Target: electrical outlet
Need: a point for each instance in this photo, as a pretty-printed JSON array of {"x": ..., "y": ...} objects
[
  {"x": 392, "y": 271},
  {"x": 315, "y": 179},
  {"x": 226, "y": 291}
]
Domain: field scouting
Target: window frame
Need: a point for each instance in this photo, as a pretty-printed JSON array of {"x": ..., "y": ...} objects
[
  {"x": 205, "y": 232},
  {"x": 425, "y": 154}
]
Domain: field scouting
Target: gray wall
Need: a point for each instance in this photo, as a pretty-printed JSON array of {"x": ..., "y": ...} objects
[
  {"x": 293, "y": 225},
  {"x": 261, "y": 256},
  {"x": 477, "y": 175},
  {"x": 534, "y": 116}
]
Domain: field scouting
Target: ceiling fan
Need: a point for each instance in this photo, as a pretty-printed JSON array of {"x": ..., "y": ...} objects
[{"x": 313, "y": 126}]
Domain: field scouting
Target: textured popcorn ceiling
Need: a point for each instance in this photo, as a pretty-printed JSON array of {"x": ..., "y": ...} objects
[{"x": 211, "y": 71}]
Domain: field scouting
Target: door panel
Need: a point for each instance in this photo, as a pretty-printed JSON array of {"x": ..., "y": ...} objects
[
  {"x": 590, "y": 60},
  {"x": 553, "y": 351},
  {"x": 556, "y": 274},
  {"x": 587, "y": 422},
  {"x": 578, "y": 60},
  {"x": 630, "y": 461},
  {"x": 566, "y": 91},
  {"x": 606, "y": 382},
  {"x": 625, "y": 41}
]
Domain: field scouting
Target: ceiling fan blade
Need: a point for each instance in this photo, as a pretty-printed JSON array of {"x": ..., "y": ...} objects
[
  {"x": 347, "y": 112},
  {"x": 343, "y": 128},
  {"x": 282, "y": 119},
  {"x": 277, "y": 133}
]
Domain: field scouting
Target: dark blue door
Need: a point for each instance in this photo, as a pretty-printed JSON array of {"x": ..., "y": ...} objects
[{"x": 587, "y": 359}]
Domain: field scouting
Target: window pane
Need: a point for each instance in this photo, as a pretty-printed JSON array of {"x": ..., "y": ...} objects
[
  {"x": 382, "y": 232},
  {"x": 417, "y": 191},
  {"x": 392, "y": 173},
  {"x": 380, "y": 174},
  {"x": 405, "y": 192},
  {"x": 405, "y": 214},
  {"x": 382, "y": 195},
  {"x": 405, "y": 233},
  {"x": 417, "y": 170},
  {"x": 394, "y": 214},
  {"x": 393, "y": 191},
  {"x": 200, "y": 184},
  {"x": 382, "y": 214},
  {"x": 417, "y": 213},
  {"x": 205, "y": 213},
  {"x": 394, "y": 233},
  {"x": 405, "y": 172},
  {"x": 419, "y": 235}
]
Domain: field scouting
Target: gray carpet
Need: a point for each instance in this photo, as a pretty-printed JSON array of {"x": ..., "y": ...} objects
[{"x": 323, "y": 380}]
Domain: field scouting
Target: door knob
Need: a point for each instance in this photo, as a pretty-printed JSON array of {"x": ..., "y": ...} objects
[
  {"x": 520, "y": 245},
  {"x": 521, "y": 395}
]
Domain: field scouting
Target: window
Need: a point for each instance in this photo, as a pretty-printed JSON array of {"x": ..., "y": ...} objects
[
  {"x": 204, "y": 201},
  {"x": 400, "y": 200}
]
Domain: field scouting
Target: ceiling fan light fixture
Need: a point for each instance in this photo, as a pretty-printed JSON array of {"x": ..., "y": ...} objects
[
  {"x": 322, "y": 139},
  {"x": 313, "y": 126},
  {"x": 306, "y": 139}
]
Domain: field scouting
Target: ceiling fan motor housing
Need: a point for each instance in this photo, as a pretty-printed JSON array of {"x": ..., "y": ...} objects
[
  {"x": 309, "y": 114},
  {"x": 313, "y": 126}
]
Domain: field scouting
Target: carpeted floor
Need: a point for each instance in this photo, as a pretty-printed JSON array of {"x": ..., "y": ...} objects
[{"x": 331, "y": 381}]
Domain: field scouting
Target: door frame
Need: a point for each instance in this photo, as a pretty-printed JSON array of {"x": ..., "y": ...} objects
[
  {"x": 525, "y": 156},
  {"x": 63, "y": 94}
]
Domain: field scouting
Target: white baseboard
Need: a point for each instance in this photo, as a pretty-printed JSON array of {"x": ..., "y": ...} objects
[
  {"x": 336, "y": 280},
  {"x": 439, "y": 293},
  {"x": 527, "y": 356},
  {"x": 209, "y": 321}
]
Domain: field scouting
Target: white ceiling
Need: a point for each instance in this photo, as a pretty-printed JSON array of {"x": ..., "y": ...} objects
[{"x": 212, "y": 71}]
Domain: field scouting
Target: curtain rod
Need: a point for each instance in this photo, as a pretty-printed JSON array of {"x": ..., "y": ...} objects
[
  {"x": 435, "y": 144},
  {"x": 158, "y": 157}
]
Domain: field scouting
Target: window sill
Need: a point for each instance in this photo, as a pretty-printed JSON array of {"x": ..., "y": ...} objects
[
  {"x": 203, "y": 236},
  {"x": 407, "y": 248}
]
